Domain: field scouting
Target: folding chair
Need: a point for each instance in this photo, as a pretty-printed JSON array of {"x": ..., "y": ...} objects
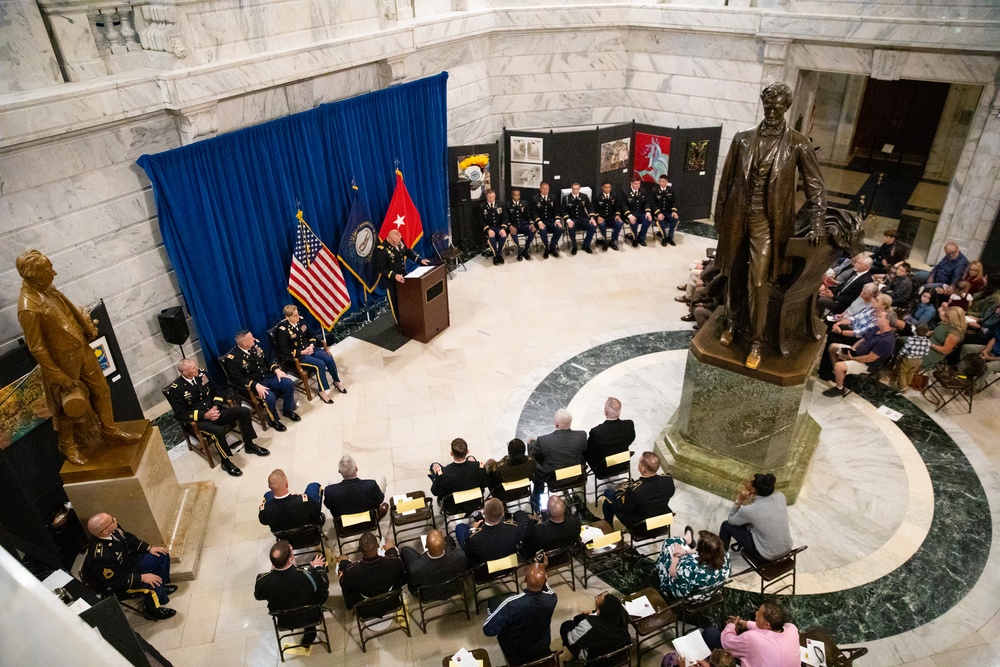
[
  {"x": 305, "y": 540},
  {"x": 299, "y": 629},
  {"x": 618, "y": 658},
  {"x": 411, "y": 514},
  {"x": 134, "y": 602},
  {"x": 597, "y": 550},
  {"x": 566, "y": 480},
  {"x": 257, "y": 407},
  {"x": 962, "y": 384},
  {"x": 373, "y": 612},
  {"x": 197, "y": 441},
  {"x": 434, "y": 596},
  {"x": 551, "y": 660},
  {"x": 460, "y": 504},
  {"x": 493, "y": 574},
  {"x": 663, "y": 616},
  {"x": 560, "y": 560},
  {"x": 836, "y": 656},
  {"x": 652, "y": 530},
  {"x": 514, "y": 495},
  {"x": 618, "y": 468},
  {"x": 704, "y": 603},
  {"x": 774, "y": 574},
  {"x": 446, "y": 253},
  {"x": 874, "y": 374},
  {"x": 353, "y": 526}
]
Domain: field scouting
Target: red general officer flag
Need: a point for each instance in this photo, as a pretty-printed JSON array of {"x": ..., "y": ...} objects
[
  {"x": 315, "y": 277},
  {"x": 402, "y": 215}
]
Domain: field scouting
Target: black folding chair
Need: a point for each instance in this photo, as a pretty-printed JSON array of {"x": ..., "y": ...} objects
[{"x": 312, "y": 619}]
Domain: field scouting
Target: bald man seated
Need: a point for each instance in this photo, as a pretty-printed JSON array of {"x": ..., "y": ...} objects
[
  {"x": 128, "y": 566},
  {"x": 282, "y": 510},
  {"x": 556, "y": 532},
  {"x": 521, "y": 623},
  {"x": 442, "y": 561},
  {"x": 646, "y": 497}
]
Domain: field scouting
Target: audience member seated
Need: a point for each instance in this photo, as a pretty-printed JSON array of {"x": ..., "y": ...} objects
[
  {"x": 194, "y": 398},
  {"x": 373, "y": 574},
  {"x": 768, "y": 641},
  {"x": 946, "y": 337},
  {"x": 855, "y": 323},
  {"x": 287, "y": 587},
  {"x": 690, "y": 573},
  {"x": 463, "y": 473},
  {"x": 562, "y": 448},
  {"x": 983, "y": 317},
  {"x": 888, "y": 254},
  {"x": 490, "y": 537},
  {"x": 900, "y": 285},
  {"x": 280, "y": 510},
  {"x": 521, "y": 622},
  {"x": 555, "y": 532},
  {"x": 977, "y": 279},
  {"x": 838, "y": 298},
  {"x": 923, "y": 311},
  {"x": 874, "y": 349},
  {"x": 645, "y": 497},
  {"x": 960, "y": 297},
  {"x": 442, "y": 561},
  {"x": 912, "y": 355},
  {"x": 719, "y": 657},
  {"x": 249, "y": 368},
  {"x": 127, "y": 565},
  {"x": 294, "y": 341},
  {"x": 354, "y": 495},
  {"x": 514, "y": 467},
  {"x": 699, "y": 277},
  {"x": 612, "y": 436},
  {"x": 990, "y": 353},
  {"x": 758, "y": 521},
  {"x": 595, "y": 633},
  {"x": 947, "y": 272}
]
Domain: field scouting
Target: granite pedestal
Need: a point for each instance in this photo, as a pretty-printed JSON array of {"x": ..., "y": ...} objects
[
  {"x": 136, "y": 484},
  {"x": 733, "y": 422}
]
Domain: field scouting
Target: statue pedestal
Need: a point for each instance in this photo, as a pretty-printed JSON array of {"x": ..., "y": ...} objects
[
  {"x": 733, "y": 422},
  {"x": 136, "y": 484}
]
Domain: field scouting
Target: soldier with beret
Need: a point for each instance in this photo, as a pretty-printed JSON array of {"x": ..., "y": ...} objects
[
  {"x": 248, "y": 367},
  {"x": 294, "y": 341},
  {"x": 548, "y": 219},
  {"x": 493, "y": 217}
]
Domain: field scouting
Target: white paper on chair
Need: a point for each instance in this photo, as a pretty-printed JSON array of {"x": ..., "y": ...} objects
[
  {"x": 419, "y": 271},
  {"x": 423, "y": 542},
  {"x": 813, "y": 653},
  {"x": 402, "y": 498},
  {"x": 692, "y": 647},
  {"x": 57, "y": 579},
  {"x": 639, "y": 607},
  {"x": 464, "y": 658},
  {"x": 889, "y": 412}
]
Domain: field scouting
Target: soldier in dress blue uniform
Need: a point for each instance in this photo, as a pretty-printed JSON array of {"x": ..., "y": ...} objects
[
  {"x": 194, "y": 398},
  {"x": 578, "y": 215},
  {"x": 637, "y": 212},
  {"x": 665, "y": 210},
  {"x": 493, "y": 217},
  {"x": 606, "y": 209},
  {"x": 548, "y": 219},
  {"x": 248, "y": 368},
  {"x": 293, "y": 340},
  {"x": 128, "y": 566},
  {"x": 519, "y": 222}
]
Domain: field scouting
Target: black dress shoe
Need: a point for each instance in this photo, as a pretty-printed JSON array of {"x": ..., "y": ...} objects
[
  {"x": 573, "y": 251},
  {"x": 496, "y": 260},
  {"x": 519, "y": 257},
  {"x": 642, "y": 243},
  {"x": 635, "y": 244},
  {"x": 587, "y": 250},
  {"x": 545, "y": 253},
  {"x": 554, "y": 252},
  {"x": 170, "y": 589},
  {"x": 231, "y": 468},
  {"x": 527, "y": 255},
  {"x": 614, "y": 246},
  {"x": 663, "y": 242},
  {"x": 291, "y": 415},
  {"x": 687, "y": 318},
  {"x": 278, "y": 426},
  {"x": 161, "y": 613},
  {"x": 257, "y": 450},
  {"x": 342, "y": 390},
  {"x": 671, "y": 241},
  {"x": 500, "y": 259}
]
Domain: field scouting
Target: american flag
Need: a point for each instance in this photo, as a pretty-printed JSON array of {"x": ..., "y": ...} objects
[{"x": 315, "y": 277}]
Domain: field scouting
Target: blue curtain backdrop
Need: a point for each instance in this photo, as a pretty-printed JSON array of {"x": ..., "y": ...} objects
[{"x": 227, "y": 205}]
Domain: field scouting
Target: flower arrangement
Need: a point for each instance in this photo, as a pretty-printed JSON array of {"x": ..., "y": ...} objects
[{"x": 481, "y": 161}]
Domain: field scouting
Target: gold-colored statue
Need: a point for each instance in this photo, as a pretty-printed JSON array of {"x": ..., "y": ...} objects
[{"x": 58, "y": 334}]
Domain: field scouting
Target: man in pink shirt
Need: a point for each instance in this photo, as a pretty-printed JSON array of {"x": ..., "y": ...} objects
[{"x": 769, "y": 641}]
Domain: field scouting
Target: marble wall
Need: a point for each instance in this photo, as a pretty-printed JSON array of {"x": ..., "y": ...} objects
[{"x": 69, "y": 185}]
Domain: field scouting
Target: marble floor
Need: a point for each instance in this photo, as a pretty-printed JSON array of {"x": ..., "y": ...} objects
[{"x": 901, "y": 524}]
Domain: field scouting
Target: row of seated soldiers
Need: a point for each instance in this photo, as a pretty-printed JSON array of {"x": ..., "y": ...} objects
[
  {"x": 193, "y": 397},
  {"x": 550, "y": 217}
]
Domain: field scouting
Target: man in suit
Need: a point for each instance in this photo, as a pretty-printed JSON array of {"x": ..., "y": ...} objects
[
  {"x": 606, "y": 210},
  {"x": 58, "y": 334},
  {"x": 442, "y": 561},
  {"x": 560, "y": 449},
  {"x": 555, "y": 532},
  {"x": 493, "y": 217},
  {"x": 280, "y": 510},
  {"x": 613, "y": 436},
  {"x": 548, "y": 219},
  {"x": 128, "y": 565},
  {"x": 249, "y": 368},
  {"x": 389, "y": 259},
  {"x": 838, "y": 298},
  {"x": 755, "y": 214},
  {"x": 194, "y": 398},
  {"x": 354, "y": 495},
  {"x": 462, "y": 474},
  {"x": 646, "y": 497},
  {"x": 287, "y": 587},
  {"x": 373, "y": 574},
  {"x": 636, "y": 210},
  {"x": 579, "y": 215}
]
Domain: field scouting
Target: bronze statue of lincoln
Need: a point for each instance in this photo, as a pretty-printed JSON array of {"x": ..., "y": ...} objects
[
  {"x": 755, "y": 214},
  {"x": 58, "y": 334}
]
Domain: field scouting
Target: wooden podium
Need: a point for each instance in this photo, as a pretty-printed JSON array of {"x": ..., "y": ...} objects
[{"x": 423, "y": 304}]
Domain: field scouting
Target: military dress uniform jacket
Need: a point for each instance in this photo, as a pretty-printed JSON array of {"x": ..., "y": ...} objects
[
  {"x": 190, "y": 401},
  {"x": 576, "y": 207},
  {"x": 635, "y": 203},
  {"x": 114, "y": 561},
  {"x": 518, "y": 213},
  {"x": 645, "y": 497},
  {"x": 546, "y": 209},
  {"x": 291, "y": 339},
  {"x": 292, "y": 511},
  {"x": 607, "y": 207},
  {"x": 492, "y": 542},
  {"x": 663, "y": 202},
  {"x": 293, "y": 587},
  {"x": 493, "y": 215},
  {"x": 245, "y": 368},
  {"x": 390, "y": 261}
]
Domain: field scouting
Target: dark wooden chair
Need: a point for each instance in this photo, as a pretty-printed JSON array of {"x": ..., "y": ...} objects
[
  {"x": 551, "y": 660},
  {"x": 372, "y": 612},
  {"x": 406, "y": 519},
  {"x": 197, "y": 441},
  {"x": 710, "y": 603},
  {"x": 514, "y": 495},
  {"x": 663, "y": 617},
  {"x": 257, "y": 407},
  {"x": 836, "y": 656},
  {"x": 774, "y": 574},
  {"x": 619, "y": 658},
  {"x": 283, "y": 631},
  {"x": 569, "y": 479},
  {"x": 493, "y": 574},
  {"x": 295, "y": 368},
  {"x": 134, "y": 602},
  {"x": 964, "y": 383},
  {"x": 435, "y": 596}
]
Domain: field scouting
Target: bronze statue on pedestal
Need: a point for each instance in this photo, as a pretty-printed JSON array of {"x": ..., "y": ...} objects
[{"x": 58, "y": 334}]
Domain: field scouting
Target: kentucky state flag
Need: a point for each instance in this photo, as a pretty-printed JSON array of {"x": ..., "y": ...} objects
[
  {"x": 402, "y": 215},
  {"x": 358, "y": 244}
]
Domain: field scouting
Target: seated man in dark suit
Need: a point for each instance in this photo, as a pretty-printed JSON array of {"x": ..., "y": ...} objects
[
  {"x": 645, "y": 497},
  {"x": 280, "y": 510},
  {"x": 373, "y": 574},
  {"x": 489, "y": 538},
  {"x": 555, "y": 532},
  {"x": 194, "y": 398},
  {"x": 560, "y": 449},
  {"x": 463, "y": 473},
  {"x": 614, "y": 436},
  {"x": 354, "y": 495},
  {"x": 288, "y": 587},
  {"x": 514, "y": 467},
  {"x": 442, "y": 561},
  {"x": 837, "y": 298}
]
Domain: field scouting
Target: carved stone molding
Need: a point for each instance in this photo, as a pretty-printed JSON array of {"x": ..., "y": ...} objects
[
  {"x": 888, "y": 65},
  {"x": 391, "y": 71},
  {"x": 196, "y": 123},
  {"x": 776, "y": 51},
  {"x": 160, "y": 32}
]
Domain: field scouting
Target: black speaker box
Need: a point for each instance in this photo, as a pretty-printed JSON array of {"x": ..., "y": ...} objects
[
  {"x": 173, "y": 325},
  {"x": 460, "y": 191}
]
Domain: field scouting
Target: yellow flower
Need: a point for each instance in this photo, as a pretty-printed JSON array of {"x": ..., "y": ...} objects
[{"x": 480, "y": 160}]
